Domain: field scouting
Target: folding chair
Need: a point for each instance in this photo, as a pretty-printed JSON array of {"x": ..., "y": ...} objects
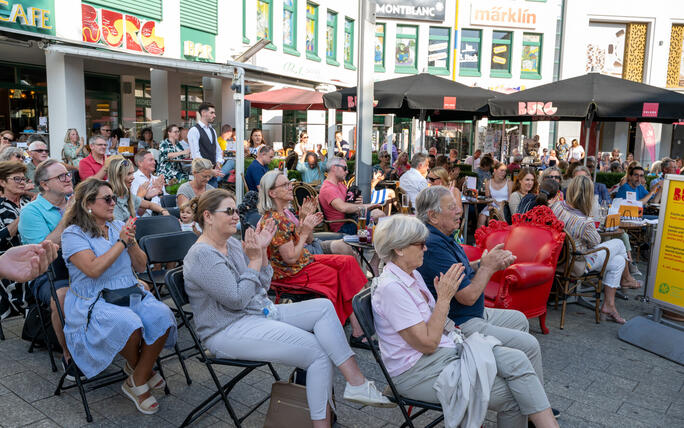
[
  {"x": 364, "y": 313},
  {"x": 168, "y": 201},
  {"x": 99, "y": 381},
  {"x": 168, "y": 248},
  {"x": 176, "y": 287},
  {"x": 156, "y": 224}
]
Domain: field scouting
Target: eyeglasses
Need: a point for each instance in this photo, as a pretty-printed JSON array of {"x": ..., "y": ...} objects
[
  {"x": 286, "y": 184},
  {"x": 555, "y": 177},
  {"x": 18, "y": 156},
  {"x": 6, "y": 138},
  {"x": 305, "y": 138},
  {"x": 344, "y": 167},
  {"x": 19, "y": 180},
  {"x": 62, "y": 177},
  {"x": 638, "y": 175},
  {"x": 229, "y": 211},
  {"x": 105, "y": 130},
  {"x": 431, "y": 179},
  {"x": 41, "y": 151},
  {"x": 420, "y": 244},
  {"x": 109, "y": 199}
]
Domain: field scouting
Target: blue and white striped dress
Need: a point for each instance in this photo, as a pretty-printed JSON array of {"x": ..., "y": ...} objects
[{"x": 93, "y": 348}]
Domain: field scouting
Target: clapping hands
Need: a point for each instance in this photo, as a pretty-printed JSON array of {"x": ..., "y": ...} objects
[
  {"x": 26, "y": 262},
  {"x": 264, "y": 233},
  {"x": 308, "y": 207},
  {"x": 447, "y": 283}
]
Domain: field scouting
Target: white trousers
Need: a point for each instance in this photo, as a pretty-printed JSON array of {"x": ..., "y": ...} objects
[{"x": 616, "y": 262}]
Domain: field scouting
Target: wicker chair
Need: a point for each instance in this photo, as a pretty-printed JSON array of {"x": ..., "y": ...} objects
[{"x": 571, "y": 275}]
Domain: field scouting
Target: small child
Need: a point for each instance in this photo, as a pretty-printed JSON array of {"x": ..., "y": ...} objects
[{"x": 187, "y": 219}]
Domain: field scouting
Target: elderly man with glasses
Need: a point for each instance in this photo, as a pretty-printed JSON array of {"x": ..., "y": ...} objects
[
  {"x": 38, "y": 151},
  {"x": 42, "y": 220},
  {"x": 93, "y": 164}
]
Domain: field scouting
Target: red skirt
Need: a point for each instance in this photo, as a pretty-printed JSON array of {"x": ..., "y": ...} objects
[{"x": 336, "y": 277}]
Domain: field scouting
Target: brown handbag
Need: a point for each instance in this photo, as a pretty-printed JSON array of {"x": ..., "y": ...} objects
[{"x": 288, "y": 407}]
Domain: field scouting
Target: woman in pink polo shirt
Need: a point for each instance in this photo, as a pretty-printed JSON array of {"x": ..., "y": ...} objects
[{"x": 410, "y": 327}]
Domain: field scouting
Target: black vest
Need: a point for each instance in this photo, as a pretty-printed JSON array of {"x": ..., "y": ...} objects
[{"x": 207, "y": 148}]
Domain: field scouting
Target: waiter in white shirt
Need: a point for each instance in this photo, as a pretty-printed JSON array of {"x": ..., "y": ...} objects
[{"x": 203, "y": 141}]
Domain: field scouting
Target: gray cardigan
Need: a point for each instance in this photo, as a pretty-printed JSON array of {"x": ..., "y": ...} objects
[{"x": 223, "y": 289}]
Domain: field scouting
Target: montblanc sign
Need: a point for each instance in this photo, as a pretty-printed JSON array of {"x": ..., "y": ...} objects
[{"x": 417, "y": 10}]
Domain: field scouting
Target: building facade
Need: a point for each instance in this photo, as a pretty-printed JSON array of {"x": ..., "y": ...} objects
[{"x": 629, "y": 40}]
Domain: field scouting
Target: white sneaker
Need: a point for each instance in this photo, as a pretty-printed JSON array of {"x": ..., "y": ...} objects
[{"x": 367, "y": 394}]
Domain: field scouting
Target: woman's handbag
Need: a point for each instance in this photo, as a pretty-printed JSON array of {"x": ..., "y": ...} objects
[
  {"x": 119, "y": 297},
  {"x": 288, "y": 407}
]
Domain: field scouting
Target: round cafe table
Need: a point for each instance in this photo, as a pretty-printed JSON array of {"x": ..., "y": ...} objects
[
  {"x": 608, "y": 235},
  {"x": 359, "y": 247},
  {"x": 471, "y": 201}
]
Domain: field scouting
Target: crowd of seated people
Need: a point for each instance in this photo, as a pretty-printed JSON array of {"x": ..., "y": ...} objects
[{"x": 93, "y": 226}]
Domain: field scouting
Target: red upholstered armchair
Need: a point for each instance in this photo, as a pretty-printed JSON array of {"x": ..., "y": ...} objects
[{"x": 536, "y": 239}]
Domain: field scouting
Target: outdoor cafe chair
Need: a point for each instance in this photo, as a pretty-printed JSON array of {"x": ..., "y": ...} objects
[
  {"x": 572, "y": 280},
  {"x": 364, "y": 314},
  {"x": 176, "y": 287}
]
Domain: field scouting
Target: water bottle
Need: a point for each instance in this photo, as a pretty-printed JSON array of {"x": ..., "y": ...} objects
[{"x": 270, "y": 311}]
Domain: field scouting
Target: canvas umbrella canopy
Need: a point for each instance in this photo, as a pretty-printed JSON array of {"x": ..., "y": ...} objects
[
  {"x": 416, "y": 95},
  {"x": 287, "y": 99},
  {"x": 590, "y": 97}
]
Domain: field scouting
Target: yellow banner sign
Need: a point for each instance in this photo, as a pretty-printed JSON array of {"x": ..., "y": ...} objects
[{"x": 669, "y": 286}]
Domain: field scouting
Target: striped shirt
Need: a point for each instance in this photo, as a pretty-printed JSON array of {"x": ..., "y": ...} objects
[{"x": 578, "y": 226}]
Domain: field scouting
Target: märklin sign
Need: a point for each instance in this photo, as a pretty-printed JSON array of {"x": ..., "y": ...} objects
[{"x": 502, "y": 14}]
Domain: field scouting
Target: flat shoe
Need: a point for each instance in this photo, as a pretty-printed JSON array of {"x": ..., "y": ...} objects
[
  {"x": 149, "y": 406},
  {"x": 638, "y": 284},
  {"x": 359, "y": 342}
]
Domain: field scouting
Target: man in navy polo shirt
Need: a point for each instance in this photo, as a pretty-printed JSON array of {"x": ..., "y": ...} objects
[
  {"x": 440, "y": 212},
  {"x": 258, "y": 167}
]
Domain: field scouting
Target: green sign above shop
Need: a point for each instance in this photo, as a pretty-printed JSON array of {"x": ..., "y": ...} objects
[
  {"x": 197, "y": 45},
  {"x": 35, "y": 16}
]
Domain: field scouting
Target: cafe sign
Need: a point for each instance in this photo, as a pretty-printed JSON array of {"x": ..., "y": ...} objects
[
  {"x": 197, "y": 45},
  {"x": 35, "y": 16},
  {"x": 120, "y": 30}
]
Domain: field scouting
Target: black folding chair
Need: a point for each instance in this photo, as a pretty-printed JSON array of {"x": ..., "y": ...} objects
[
  {"x": 364, "y": 313},
  {"x": 156, "y": 224},
  {"x": 176, "y": 287},
  {"x": 96, "y": 382},
  {"x": 168, "y": 201},
  {"x": 168, "y": 248}
]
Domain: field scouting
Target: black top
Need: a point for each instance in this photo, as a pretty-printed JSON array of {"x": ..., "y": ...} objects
[{"x": 8, "y": 213}]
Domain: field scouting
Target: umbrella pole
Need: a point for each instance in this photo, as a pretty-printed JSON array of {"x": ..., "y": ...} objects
[
  {"x": 421, "y": 126},
  {"x": 597, "y": 162},
  {"x": 586, "y": 138}
]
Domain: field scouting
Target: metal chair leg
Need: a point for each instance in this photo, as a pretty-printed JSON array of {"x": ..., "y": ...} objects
[{"x": 2, "y": 333}]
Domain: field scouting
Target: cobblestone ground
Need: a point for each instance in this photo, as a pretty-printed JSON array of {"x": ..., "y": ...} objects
[{"x": 592, "y": 377}]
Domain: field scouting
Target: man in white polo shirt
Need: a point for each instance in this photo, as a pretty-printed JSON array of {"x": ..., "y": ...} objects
[{"x": 145, "y": 184}]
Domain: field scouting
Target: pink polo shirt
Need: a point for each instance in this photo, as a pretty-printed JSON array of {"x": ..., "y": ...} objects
[{"x": 398, "y": 305}]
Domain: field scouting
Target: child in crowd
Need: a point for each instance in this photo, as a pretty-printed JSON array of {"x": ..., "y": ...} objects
[{"x": 187, "y": 219}]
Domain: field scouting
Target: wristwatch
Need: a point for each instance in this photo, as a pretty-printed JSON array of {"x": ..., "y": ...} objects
[{"x": 123, "y": 242}]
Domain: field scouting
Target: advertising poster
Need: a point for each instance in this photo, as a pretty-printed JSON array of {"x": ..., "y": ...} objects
[
  {"x": 668, "y": 287},
  {"x": 606, "y": 48}
]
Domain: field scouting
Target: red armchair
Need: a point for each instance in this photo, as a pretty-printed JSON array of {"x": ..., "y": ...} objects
[{"x": 536, "y": 239}]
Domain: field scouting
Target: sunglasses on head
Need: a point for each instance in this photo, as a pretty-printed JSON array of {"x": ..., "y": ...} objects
[
  {"x": 109, "y": 199},
  {"x": 228, "y": 211}
]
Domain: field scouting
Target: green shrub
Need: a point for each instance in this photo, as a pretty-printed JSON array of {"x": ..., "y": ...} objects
[
  {"x": 292, "y": 174},
  {"x": 172, "y": 189},
  {"x": 376, "y": 159}
]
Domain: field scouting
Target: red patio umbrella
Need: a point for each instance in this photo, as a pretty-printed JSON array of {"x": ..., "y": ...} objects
[{"x": 287, "y": 99}]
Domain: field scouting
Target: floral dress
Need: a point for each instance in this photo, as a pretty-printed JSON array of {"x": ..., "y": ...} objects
[
  {"x": 72, "y": 155},
  {"x": 167, "y": 167},
  {"x": 285, "y": 232}
]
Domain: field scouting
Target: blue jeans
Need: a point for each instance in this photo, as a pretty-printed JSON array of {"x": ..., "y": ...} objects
[{"x": 227, "y": 167}]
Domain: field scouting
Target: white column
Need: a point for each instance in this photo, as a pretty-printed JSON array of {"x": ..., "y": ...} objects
[
  {"x": 128, "y": 101},
  {"x": 165, "y": 87},
  {"x": 65, "y": 82}
]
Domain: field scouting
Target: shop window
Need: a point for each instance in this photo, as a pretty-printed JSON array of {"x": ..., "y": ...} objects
[
  {"x": 501, "y": 54},
  {"x": 675, "y": 71},
  {"x": 7, "y": 74},
  {"x": 264, "y": 21},
  {"x": 406, "y": 49},
  {"x": 438, "y": 50},
  {"x": 331, "y": 38},
  {"x": 469, "y": 54},
  {"x": 380, "y": 48},
  {"x": 530, "y": 66},
  {"x": 29, "y": 76},
  {"x": 290, "y": 27},
  {"x": 349, "y": 44},
  {"x": 191, "y": 98},
  {"x": 245, "y": 40},
  {"x": 312, "y": 31}
]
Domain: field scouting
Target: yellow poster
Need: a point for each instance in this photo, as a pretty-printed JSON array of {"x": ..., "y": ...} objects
[{"x": 669, "y": 286}]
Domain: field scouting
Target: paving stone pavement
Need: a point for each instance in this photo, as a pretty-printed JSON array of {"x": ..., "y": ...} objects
[{"x": 592, "y": 377}]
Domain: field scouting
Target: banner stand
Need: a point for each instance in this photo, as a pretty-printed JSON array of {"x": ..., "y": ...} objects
[{"x": 665, "y": 285}]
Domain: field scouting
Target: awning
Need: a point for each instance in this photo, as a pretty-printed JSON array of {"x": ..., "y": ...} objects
[
  {"x": 158, "y": 62},
  {"x": 287, "y": 99}
]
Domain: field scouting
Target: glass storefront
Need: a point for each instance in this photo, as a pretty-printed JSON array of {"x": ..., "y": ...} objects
[
  {"x": 103, "y": 100},
  {"x": 23, "y": 99}
]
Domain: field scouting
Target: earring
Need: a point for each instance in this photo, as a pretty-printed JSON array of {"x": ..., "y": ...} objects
[{"x": 90, "y": 211}]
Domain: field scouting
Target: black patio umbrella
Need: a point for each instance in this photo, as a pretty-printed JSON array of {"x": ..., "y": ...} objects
[
  {"x": 419, "y": 95},
  {"x": 593, "y": 96}
]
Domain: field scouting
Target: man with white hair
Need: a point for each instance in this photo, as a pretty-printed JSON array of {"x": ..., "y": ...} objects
[
  {"x": 438, "y": 209},
  {"x": 39, "y": 152},
  {"x": 413, "y": 180}
]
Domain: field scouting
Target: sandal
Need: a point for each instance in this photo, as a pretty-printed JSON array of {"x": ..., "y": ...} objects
[
  {"x": 149, "y": 406},
  {"x": 636, "y": 284},
  {"x": 612, "y": 316},
  {"x": 154, "y": 382}
]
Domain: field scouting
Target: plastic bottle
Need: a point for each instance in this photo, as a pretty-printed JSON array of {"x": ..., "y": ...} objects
[
  {"x": 370, "y": 228},
  {"x": 271, "y": 312}
]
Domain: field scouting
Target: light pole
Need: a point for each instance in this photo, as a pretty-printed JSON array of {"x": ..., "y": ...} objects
[{"x": 364, "y": 110}]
